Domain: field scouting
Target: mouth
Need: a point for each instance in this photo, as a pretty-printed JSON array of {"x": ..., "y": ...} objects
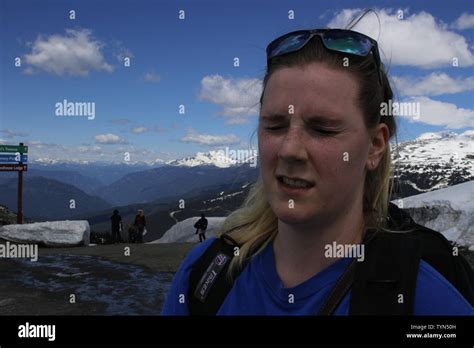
[{"x": 294, "y": 184}]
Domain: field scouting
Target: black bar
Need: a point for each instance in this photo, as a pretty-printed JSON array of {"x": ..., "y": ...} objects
[{"x": 219, "y": 330}]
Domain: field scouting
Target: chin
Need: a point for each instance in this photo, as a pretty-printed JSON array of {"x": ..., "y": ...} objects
[{"x": 293, "y": 216}]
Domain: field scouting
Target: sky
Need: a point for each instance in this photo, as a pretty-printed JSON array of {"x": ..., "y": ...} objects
[{"x": 49, "y": 54}]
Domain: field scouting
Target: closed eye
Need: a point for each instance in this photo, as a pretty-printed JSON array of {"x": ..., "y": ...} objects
[
  {"x": 323, "y": 131},
  {"x": 275, "y": 127},
  {"x": 318, "y": 130}
]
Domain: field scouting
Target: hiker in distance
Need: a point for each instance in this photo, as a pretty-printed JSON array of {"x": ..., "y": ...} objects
[
  {"x": 117, "y": 226},
  {"x": 201, "y": 226},
  {"x": 325, "y": 179},
  {"x": 140, "y": 226}
]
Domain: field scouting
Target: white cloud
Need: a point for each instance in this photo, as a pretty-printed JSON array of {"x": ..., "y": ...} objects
[
  {"x": 89, "y": 149},
  {"x": 35, "y": 143},
  {"x": 38, "y": 145},
  {"x": 208, "y": 139},
  {"x": 417, "y": 40},
  {"x": 465, "y": 21},
  {"x": 152, "y": 77},
  {"x": 439, "y": 113},
  {"x": 75, "y": 53},
  {"x": 10, "y": 133},
  {"x": 109, "y": 139},
  {"x": 433, "y": 84},
  {"x": 29, "y": 71},
  {"x": 238, "y": 98},
  {"x": 139, "y": 130}
]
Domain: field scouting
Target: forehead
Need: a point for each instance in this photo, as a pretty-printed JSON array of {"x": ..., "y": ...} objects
[{"x": 314, "y": 89}]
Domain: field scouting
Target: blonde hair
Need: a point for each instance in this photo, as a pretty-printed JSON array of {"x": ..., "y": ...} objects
[{"x": 254, "y": 224}]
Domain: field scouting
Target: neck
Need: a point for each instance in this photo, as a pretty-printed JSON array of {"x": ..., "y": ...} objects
[{"x": 299, "y": 250}]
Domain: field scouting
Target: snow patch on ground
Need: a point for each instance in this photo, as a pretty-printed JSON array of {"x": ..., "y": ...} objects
[
  {"x": 50, "y": 233},
  {"x": 449, "y": 211},
  {"x": 184, "y": 231}
]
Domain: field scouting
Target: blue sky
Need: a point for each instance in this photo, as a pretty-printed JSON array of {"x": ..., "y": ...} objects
[{"x": 191, "y": 62}]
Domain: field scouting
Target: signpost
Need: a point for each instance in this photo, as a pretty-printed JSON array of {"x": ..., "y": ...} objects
[{"x": 13, "y": 158}]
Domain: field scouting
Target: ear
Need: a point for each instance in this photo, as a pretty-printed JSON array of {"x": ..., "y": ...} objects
[{"x": 378, "y": 144}]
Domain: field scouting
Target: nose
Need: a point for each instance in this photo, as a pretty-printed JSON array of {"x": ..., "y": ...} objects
[{"x": 293, "y": 148}]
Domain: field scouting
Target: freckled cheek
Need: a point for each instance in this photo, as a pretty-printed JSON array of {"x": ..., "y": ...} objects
[
  {"x": 324, "y": 156},
  {"x": 344, "y": 164},
  {"x": 332, "y": 161},
  {"x": 268, "y": 150}
]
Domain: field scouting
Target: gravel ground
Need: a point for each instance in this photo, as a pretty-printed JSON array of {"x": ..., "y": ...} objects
[{"x": 103, "y": 280}]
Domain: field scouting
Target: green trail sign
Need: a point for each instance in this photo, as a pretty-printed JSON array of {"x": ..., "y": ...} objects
[{"x": 14, "y": 148}]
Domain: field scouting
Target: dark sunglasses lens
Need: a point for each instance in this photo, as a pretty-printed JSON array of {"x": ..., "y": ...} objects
[
  {"x": 287, "y": 44},
  {"x": 347, "y": 43}
]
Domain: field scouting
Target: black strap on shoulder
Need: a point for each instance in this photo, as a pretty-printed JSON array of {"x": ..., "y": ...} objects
[
  {"x": 385, "y": 281},
  {"x": 339, "y": 291},
  {"x": 209, "y": 273},
  {"x": 344, "y": 283}
]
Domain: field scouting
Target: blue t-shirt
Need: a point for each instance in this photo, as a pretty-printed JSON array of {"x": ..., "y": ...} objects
[{"x": 258, "y": 290}]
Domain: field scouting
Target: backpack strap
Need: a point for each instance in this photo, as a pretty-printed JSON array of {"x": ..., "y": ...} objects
[
  {"x": 339, "y": 291},
  {"x": 208, "y": 283},
  {"x": 344, "y": 283},
  {"x": 385, "y": 282}
]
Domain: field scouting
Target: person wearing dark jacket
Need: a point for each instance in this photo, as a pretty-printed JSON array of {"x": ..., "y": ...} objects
[
  {"x": 116, "y": 220},
  {"x": 201, "y": 226},
  {"x": 140, "y": 224}
]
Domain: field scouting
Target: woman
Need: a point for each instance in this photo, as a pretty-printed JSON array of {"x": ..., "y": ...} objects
[{"x": 324, "y": 182}]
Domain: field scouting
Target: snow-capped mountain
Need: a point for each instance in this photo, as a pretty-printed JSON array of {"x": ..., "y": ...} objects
[
  {"x": 433, "y": 161},
  {"x": 48, "y": 161},
  {"x": 45, "y": 161},
  {"x": 217, "y": 158}
]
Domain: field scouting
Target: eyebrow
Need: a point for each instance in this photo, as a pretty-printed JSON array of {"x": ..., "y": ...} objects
[{"x": 310, "y": 120}]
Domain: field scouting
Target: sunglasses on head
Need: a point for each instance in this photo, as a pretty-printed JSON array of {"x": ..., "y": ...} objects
[{"x": 339, "y": 40}]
